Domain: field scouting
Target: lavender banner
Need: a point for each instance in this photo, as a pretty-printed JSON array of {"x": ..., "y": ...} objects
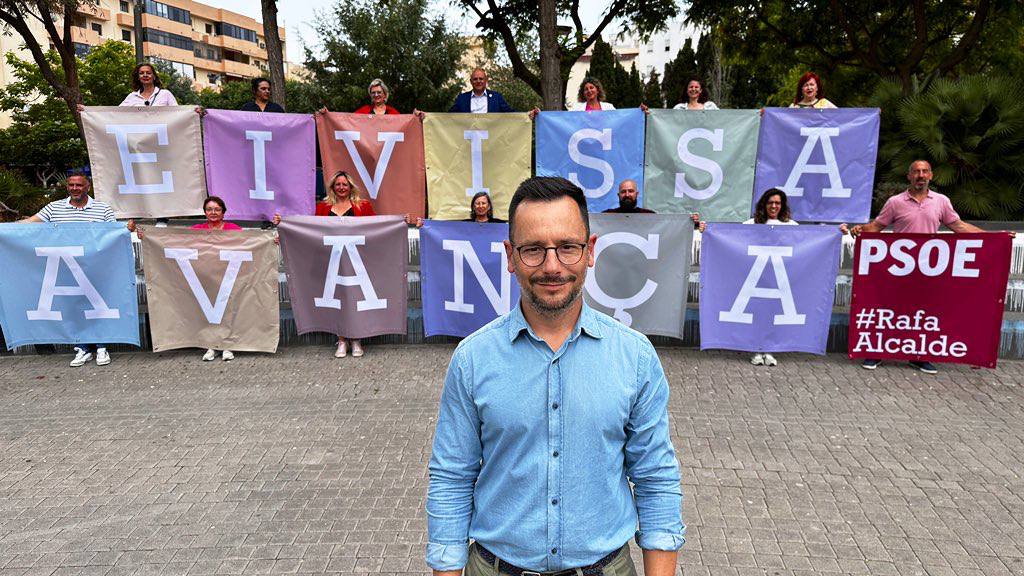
[{"x": 767, "y": 288}]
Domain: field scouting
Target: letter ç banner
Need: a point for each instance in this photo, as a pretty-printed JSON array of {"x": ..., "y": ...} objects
[
  {"x": 701, "y": 161},
  {"x": 261, "y": 164},
  {"x": 383, "y": 155},
  {"x": 68, "y": 283},
  {"x": 212, "y": 289},
  {"x": 823, "y": 159},
  {"x": 471, "y": 153},
  {"x": 641, "y": 270},
  {"x": 594, "y": 150},
  {"x": 146, "y": 162},
  {"x": 347, "y": 275},
  {"x": 929, "y": 297},
  {"x": 465, "y": 277},
  {"x": 767, "y": 288}
]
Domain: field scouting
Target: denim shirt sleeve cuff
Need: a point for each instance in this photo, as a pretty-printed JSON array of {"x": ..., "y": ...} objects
[
  {"x": 447, "y": 556},
  {"x": 669, "y": 541}
]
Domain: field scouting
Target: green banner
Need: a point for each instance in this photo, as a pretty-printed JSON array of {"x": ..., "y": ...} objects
[{"x": 701, "y": 161}]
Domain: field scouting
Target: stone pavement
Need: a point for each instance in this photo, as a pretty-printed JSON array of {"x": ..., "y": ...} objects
[{"x": 300, "y": 463}]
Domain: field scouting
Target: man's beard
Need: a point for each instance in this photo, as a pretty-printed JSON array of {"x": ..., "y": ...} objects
[
  {"x": 545, "y": 308},
  {"x": 627, "y": 202}
]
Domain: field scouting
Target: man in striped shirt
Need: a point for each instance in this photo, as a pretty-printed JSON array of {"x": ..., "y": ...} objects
[{"x": 80, "y": 207}]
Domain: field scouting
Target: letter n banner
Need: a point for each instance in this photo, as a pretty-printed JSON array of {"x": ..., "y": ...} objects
[
  {"x": 68, "y": 283},
  {"x": 929, "y": 297},
  {"x": 767, "y": 288}
]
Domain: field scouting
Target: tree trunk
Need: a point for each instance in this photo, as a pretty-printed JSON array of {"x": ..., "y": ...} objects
[
  {"x": 275, "y": 57},
  {"x": 137, "y": 30},
  {"x": 550, "y": 57}
]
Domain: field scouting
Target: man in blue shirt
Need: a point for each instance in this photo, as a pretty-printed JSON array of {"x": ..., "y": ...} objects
[
  {"x": 480, "y": 100},
  {"x": 548, "y": 414}
]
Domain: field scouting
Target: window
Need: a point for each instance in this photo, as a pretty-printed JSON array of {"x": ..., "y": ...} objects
[
  {"x": 125, "y": 7},
  {"x": 169, "y": 12},
  {"x": 97, "y": 29},
  {"x": 167, "y": 39},
  {"x": 81, "y": 50},
  {"x": 126, "y": 36},
  {"x": 213, "y": 78},
  {"x": 236, "y": 32},
  {"x": 181, "y": 69},
  {"x": 206, "y": 51},
  {"x": 209, "y": 28}
]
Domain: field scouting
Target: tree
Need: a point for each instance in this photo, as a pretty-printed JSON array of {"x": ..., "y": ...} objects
[
  {"x": 678, "y": 73},
  {"x": 652, "y": 92},
  {"x": 632, "y": 94},
  {"x": 417, "y": 56},
  {"x": 602, "y": 68},
  {"x": 275, "y": 58}
]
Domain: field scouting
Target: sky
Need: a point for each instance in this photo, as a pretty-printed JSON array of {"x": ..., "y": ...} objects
[{"x": 295, "y": 16}]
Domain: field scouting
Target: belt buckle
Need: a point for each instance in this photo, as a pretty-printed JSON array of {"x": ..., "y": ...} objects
[{"x": 530, "y": 573}]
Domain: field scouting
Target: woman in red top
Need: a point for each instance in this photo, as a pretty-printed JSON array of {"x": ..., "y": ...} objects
[
  {"x": 345, "y": 199},
  {"x": 378, "y": 100},
  {"x": 214, "y": 208}
]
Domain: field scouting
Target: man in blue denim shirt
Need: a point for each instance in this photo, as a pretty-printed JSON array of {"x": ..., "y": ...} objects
[{"x": 547, "y": 414}]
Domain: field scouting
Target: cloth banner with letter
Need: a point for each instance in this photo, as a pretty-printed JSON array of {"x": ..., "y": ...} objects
[
  {"x": 594, "y": 150},
  {"x": 261, "y": 164},
  {"x": 767, "y": 288},
  {"x": 465, "y": 277},
  {"x": 823, "y": 159},
  {"x": 701, "y": 161},
  {"x": 641, "y": 270},
  {"x": 147, "y": 162},
  {"x": 347, "y": 275},
  {"x": 68, "y": 283},
  {"x": 212, "y": 289},
  {"x": 383, "y": 155},
  {"x": 470, "y": 153},
  {"x": 929, "y": 297}
]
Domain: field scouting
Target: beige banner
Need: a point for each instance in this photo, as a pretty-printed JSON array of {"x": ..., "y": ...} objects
[
  {"x": 147, "y": 162},
  {"x": 212, "y": 289}
]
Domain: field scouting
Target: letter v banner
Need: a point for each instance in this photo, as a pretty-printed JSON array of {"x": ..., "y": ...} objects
[
  {"x": 383, "y": 155},
  {"x": 147, "y": 162},
  {"x": 823, "y": 159},
  {"x": 767, "y": 288},
  {"x": 465, "y": 277},
  {"x": 261, "y": 164},
  {"x": 347, "y": 275},
  {"x": 68, "y": 283},
  {"x": 212, "y": 289}
]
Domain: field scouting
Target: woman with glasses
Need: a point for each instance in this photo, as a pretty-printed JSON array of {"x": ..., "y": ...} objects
[{"x": 378, "y": 105}]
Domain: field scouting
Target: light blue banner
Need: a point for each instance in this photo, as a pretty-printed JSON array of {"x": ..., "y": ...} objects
[
  {"x": 596, "y": 150},
  {"x": 68, "y": 283}
]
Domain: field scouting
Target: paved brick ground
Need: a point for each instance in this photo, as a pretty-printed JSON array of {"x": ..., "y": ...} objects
[{"x": 299, "y": 463}]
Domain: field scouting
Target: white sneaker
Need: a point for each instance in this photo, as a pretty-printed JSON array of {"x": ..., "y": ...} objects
[
  {"x": 228, "y": 355},
  {"x": 357, "y": 349},
  {"x": 342, "y": 350},
  {"x": 102, "y": 357},
  {"x": 757, "y": 360},
  {"x": 770, "y": 360},
  {"x": 81, "y": 357},
  {"x": 210, "y": 355}
]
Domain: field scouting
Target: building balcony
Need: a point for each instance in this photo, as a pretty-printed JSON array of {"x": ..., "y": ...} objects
[
  {"x": 156, "y": 23},
  {"x": 241, "y": 70},
  {"x": 94, "y": 11},
  {"x": 86, "y": 36}
]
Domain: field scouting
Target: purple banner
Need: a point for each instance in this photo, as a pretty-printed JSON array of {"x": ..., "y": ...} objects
[
  {"x": 767, "y": 288},
  {"x": 824, "y": 160},
  {"x": 261, "y": 164}
]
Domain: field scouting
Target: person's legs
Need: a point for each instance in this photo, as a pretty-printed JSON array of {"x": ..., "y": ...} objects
[
  {"x": 477, "y": 566},
  {"x": 622, "y": 565}
]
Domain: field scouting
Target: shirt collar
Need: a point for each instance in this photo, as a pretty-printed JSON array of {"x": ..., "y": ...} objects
[
  {"x": 588, "y": 323},
  {"x": 911, "y": 198},
  {"x": 88, "y": 203}
]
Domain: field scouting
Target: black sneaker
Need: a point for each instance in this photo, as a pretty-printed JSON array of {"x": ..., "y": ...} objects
[
  {"x": 926, "y": 367},
  {"x": 870, "y": 364}
]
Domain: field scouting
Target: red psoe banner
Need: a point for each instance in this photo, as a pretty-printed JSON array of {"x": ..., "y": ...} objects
[{"x": 929, "y": 297}]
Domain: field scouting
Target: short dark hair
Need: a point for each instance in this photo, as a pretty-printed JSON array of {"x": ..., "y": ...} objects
[
  {"x": 256, "y": 84},
  {"x": 216, "y": 200},
  {"x": 547, "y": 189}
]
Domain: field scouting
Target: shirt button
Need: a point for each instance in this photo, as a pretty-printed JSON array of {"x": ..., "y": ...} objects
[
  {"x": 554, "y": 406},
  {"x": 554, "y": 501},
  {"x": 554, "y": 550},
  {"x": 555, "y": 454}
]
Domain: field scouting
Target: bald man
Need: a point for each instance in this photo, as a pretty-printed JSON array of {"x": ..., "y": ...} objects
[{"x": 627, "y": 200}]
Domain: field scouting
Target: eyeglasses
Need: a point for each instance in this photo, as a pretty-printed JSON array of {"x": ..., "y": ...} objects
[{"x": 569, "y": 253}]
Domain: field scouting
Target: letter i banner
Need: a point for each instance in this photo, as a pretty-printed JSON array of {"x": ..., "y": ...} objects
[
  {"x": 68, "y": 283},
  {"x": 767, "y": 288},
  {"x": 471, "y": 153},
  {"x": 465, "y": 277},
  {"x": 929, "y": 297},
  {"x": 701, "y": 161},
  {"x": 261, "y": 164},
  {"x": 383, "y": 155},
  {"x": 147, "y": 162},
  {"x": 594, "y": 150},
  {"x": 823, "y": 159},
  {"x": 212, "y": 289},
  {"x": 347, "y": 276}
]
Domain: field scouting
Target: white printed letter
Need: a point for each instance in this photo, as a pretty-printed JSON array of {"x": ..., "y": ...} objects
[
  {"x": 338, "y": 245},
  {"x": 259, "y": 156},
  {"x": 476, "y": 138},
  {"x": 462, "y": 251},
  {"x": 649, "y": 248},
  {"x": 350, "y": 137},
  {"x": 54, "y": 256},
  {"x": 783, "y": 293},
  {"x": 831, "y": 167},
  {"x": 121, "y": 132},
  {"x": 214, "y": 311},
  {"x": 607, "y": 175},
  {"x": 683, "y": 188}
]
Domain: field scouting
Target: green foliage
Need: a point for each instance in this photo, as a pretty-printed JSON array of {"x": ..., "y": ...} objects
[
  {"x": 517, "y": 93},
  {"x": 18, "y": 197},
  {"x": 652, "y": 92},
  {"x": 106, "y": 73},
  {"x": 677, "y": 73},
  {"x": 623, "y": 89},
  {"x": 231, "y": 96},
  {"x": 631, "y": 94},
  {"x": 416, "y": 55},
  {"x": 177, "y": 84}
]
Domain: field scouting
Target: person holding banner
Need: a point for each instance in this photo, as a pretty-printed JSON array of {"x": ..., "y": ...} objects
[
  {"x": 148, "y": 90},
  {"x": 480, "y": 100},
  {"x": 261, "y": 98},
  {"x": 810, "y": 93},
  {"x": 379, "y": 94},
  {"x": 591, "y": 97},
  {"x": 627, "y": 200},
  {"x": 696, "y": 97}
]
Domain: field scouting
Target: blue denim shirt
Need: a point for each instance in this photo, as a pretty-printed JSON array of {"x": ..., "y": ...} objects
[{"x": 535, "y": 450}]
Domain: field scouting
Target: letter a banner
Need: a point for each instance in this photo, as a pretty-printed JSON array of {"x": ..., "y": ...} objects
[
  {"x": 68, "y": 283},
  {"x": 767, "y": 288},
  {"x": 147, "y": 162},
  {"x": 470, "y": 153},
  {"x": 823, "y": 159},
  {"x": 641, "y": 270},
  {"x": 465, "y": 277},
  {"x": 212, "y": 289},
  {"x": 347, "y": 275},
  {"x": 261, "y": 164},
  {"x": 382, "y": 154},
  {"x": 929, "y": 297},
  {"x": 701, "y": 161},
  {"x": 594, "y": 150}
]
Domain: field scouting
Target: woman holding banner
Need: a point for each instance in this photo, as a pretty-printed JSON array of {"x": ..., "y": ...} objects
[
  {"x": 696, "y": 97},
  {"x": 345, "y": 199},
  {"x": 591, "y": 97},
  {"x": 810, "y": 93}
]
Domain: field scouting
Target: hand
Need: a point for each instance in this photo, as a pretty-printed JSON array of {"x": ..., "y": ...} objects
[
  {"x": 201, "y": 111},
  {"x": 1011, "y": 233},
  {"x": 695, "y": 216},
  {"x": 131, "y": 225},
  {"x": 702, "y": 226},
  {"x": 856, "y": 230},
  {"x": 419, "y": 222},
  {"x": 277, "y": 240},
  {"x": 844, "y": 229},
  {"x": 761, "y": 112},
  {"x": 81, "y": 107},
  {"x": 138, "y": 232},
  {"x": 276, "y": 219},
  {"x": 533, "y": 113},
  {"x": 419, "y": 114},
  {"x": 645, "y": 108},
  {"x": 322, "y": 110},
  {"x": 408, "y": 219}
]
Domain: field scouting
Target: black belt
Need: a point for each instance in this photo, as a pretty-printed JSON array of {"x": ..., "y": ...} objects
[{"x": 595, "y": 569}]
